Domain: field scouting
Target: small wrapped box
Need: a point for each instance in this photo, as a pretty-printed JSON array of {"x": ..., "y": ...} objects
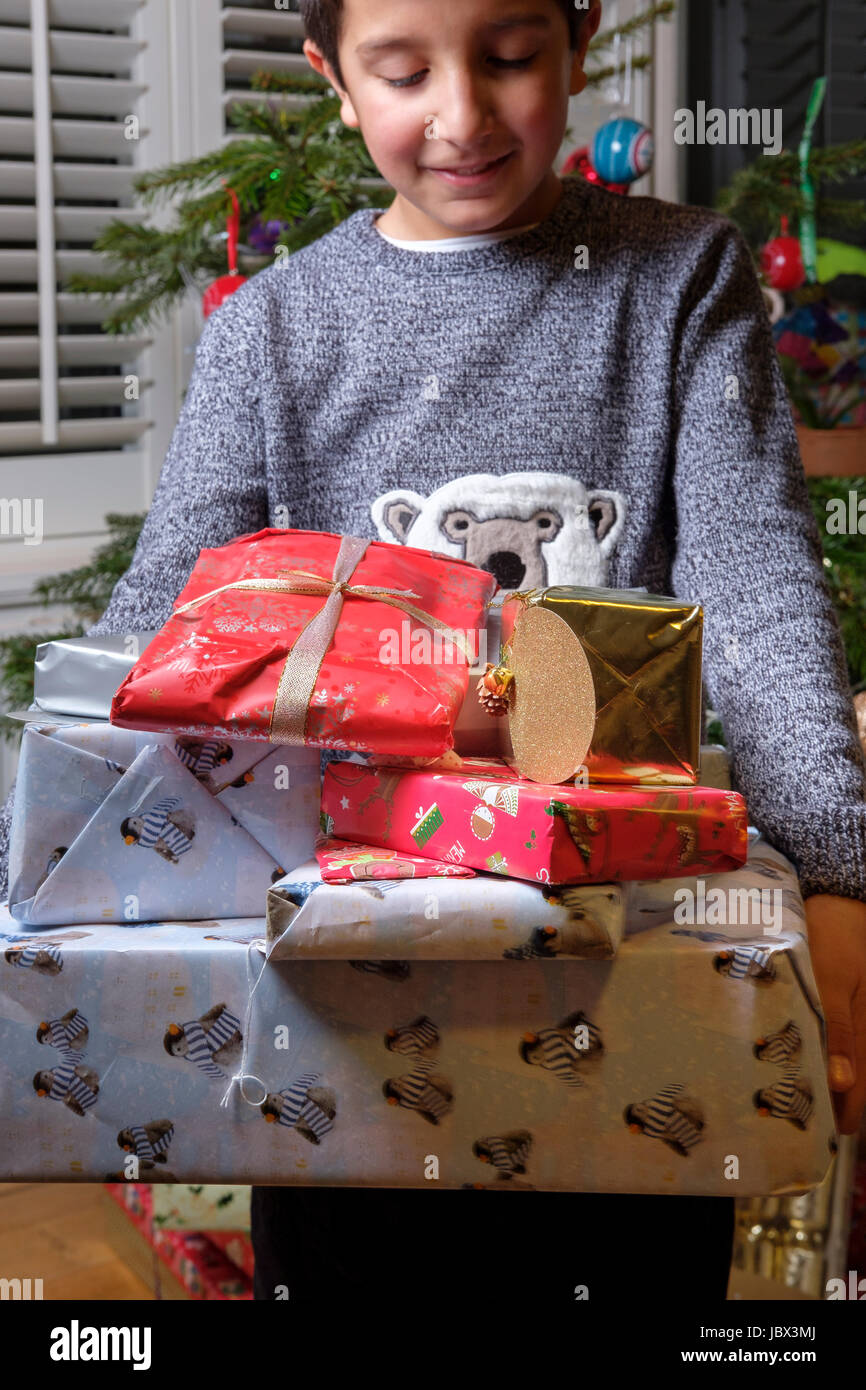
[
  {"x": 487, "y": 817},
  {"x": 306, "y": 637},
  {"x": 116, "y": 826},
  {"x": 449, "y": 918},
  {"x": 608, "y": 680},
  {"x": 77, "y": 676}
]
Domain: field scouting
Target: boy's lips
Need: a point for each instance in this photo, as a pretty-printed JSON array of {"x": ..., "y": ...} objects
[{"x": 466, "y": 175}]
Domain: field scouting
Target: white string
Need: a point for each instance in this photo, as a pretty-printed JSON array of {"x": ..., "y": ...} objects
[
  {"x": 629, "y": 50},
  {"x": 242, "y": 1076}
]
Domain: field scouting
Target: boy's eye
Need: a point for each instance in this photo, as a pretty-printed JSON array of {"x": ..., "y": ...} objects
[
  {"x": 498, "y": 62},
  {"x": 514, "y": 62},
  {"x": 404, "y": 81}
]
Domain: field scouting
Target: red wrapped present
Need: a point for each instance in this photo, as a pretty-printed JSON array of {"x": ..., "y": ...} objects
[
  {"x": 489, "y": 818},
  {"x": 306, "y": 637}
]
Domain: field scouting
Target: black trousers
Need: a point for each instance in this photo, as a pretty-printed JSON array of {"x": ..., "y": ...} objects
[{"x": 314, "y": 1243}]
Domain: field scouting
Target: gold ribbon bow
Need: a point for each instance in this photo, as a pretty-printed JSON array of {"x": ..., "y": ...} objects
[{"x": 301, "y": 670}]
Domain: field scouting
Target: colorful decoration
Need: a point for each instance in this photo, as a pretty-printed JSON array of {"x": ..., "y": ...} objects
[
  {"x": 578, "y": 163},
  {"x": 226, "y": 284},
  {"x": 838, "y": 258},
  {"x": 825, "y": 344},
  {"x": 622, "y": 150},
  {"x": 807, "y": 188},
  {"x": 782, "y": 261},
  {"x": 264, "y": 236}
]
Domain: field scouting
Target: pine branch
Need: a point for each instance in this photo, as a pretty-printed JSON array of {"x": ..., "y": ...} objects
[
  {"x": 845, "y": 572},
  {"x": 88, "y": 588},
  {"x": 768, "y": 189}
]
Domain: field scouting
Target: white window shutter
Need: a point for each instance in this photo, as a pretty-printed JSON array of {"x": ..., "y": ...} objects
[{"x": 84, "y": 417}]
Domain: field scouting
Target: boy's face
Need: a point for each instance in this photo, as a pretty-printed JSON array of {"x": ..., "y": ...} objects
[{"x": 462, "y": 104}]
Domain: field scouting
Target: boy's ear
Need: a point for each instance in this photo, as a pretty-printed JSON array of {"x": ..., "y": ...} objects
[
  {"x": 588, "y": 31},
  {"x": 317, "y": 60}
]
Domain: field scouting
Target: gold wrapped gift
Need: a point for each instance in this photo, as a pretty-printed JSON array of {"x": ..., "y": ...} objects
[{"x": 603, "y": 679}]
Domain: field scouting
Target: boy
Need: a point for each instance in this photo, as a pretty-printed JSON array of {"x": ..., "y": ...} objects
[{"x": 407, "y": 366}]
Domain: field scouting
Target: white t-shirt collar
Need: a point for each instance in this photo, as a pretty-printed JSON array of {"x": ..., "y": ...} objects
[{"x": 457, "y": 243}]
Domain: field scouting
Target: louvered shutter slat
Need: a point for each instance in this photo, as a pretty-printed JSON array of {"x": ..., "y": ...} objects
[
  {"x": 69, "y": 52},
  {"x": 73, "y": 350},
  {"x": 70, "y": 139},
  {"x": 245, "y": 62},
  {"x": 79, "y": 390},
  {"x": 81, "y": 181},
  {"x": 75, "y": 14},
  {"x": 266, "y": 22},
  {"x": 20, "y": 267},
  {"x": 74, "y": 84},
  {"x": 22, "y": 309}
]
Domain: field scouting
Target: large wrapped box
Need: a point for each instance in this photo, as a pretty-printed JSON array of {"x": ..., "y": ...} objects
[
  {"x": 604, "y": 679},
  {"x": 113, "y": 825},
  {"x": 487, "y": 817},
  {"x": 693, "y": 1063},
  {"x": 306, "y": 637}
]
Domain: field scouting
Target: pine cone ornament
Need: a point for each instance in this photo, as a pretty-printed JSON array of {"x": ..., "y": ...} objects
[{"x": 493, "y": 690}]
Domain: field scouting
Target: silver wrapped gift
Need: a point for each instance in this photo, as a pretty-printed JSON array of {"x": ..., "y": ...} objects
[{"x": 75, "y": 678}]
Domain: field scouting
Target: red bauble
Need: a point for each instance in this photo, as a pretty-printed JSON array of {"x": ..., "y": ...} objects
[
  {"x": 226, "y": 284},
  {"x": 782, "y": 261},
  {"x": 220, "y": 290},
  {"x": 578, "y": 163}
]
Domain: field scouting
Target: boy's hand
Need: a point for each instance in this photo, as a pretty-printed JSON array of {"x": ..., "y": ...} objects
[{"x": 837, "y": 945}]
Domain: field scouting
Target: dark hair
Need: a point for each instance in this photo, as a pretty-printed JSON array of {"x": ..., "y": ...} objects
[{"x": 323, "y": 20}]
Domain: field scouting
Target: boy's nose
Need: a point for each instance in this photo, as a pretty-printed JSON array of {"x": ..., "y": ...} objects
[{"x": 465, "y": 117}]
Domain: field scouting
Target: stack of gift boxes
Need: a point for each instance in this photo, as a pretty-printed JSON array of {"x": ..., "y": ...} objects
[{"x": 557, "y": 927}]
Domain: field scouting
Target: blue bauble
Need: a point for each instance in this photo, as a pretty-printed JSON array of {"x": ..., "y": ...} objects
[{"x": 622, "y": 150}]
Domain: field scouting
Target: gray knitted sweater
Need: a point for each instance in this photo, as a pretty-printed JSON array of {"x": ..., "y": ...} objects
[{"x": 613, "y": 415}]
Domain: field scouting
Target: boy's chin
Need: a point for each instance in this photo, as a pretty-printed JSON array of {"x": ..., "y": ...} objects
[{"x": 452, "y": 216}]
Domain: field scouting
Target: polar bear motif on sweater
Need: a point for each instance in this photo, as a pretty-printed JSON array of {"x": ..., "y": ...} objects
[{"x": 529, "y": 530}]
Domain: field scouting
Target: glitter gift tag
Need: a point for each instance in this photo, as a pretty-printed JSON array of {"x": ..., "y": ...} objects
[{"x": 552, "y": 710}]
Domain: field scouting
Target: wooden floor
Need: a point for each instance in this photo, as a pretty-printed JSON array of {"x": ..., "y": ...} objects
[{"x": 56, "y": 1232}]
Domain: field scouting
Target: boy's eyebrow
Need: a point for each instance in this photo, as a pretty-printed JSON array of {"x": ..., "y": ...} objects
[{"x": 375, "y": 47}]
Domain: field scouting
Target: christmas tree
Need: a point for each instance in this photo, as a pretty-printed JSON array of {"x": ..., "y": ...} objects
[
  {"x": 769, "y": 189},
  {"x": 296, "y": 173}
]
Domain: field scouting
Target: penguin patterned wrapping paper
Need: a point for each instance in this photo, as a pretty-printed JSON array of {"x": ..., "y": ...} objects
[
  {"x": 690, "y": 1063},
  {"x": 116, "y": 826},
  {"x": 449, "y": 918}
]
